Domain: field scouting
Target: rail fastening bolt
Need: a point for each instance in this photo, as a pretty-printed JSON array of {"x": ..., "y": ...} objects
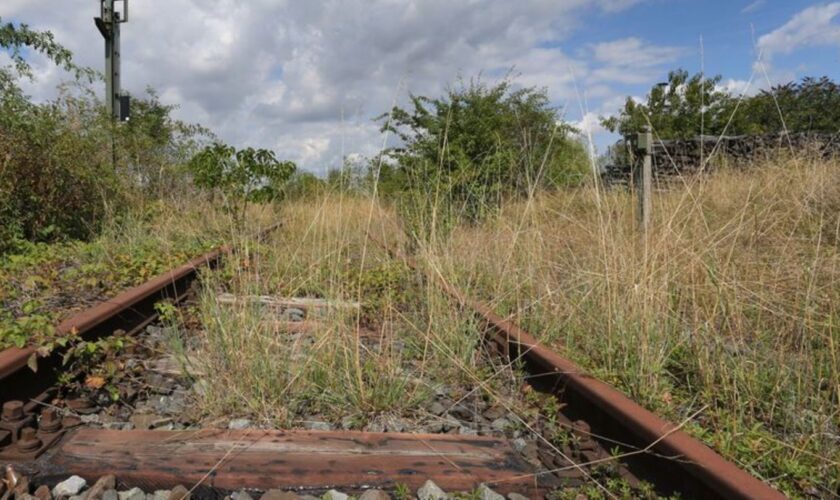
[
  {"x": 28, "y": 439},
  {"x": 50, "y": 421},
  {"x": 12, "y": 411}
]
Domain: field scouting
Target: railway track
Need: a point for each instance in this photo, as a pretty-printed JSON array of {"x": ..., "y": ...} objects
[{"x": 44, "y": 443}]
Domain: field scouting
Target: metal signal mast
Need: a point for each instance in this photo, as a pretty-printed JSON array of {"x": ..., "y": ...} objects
[{"x": 109, "y": 25}]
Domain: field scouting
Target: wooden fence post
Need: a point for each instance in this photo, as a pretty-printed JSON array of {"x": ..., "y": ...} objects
[{"x": 644, "y": 179}]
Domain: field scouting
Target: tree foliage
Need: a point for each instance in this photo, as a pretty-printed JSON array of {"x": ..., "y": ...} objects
[
  {"x": 153, "y": 146},
  {"x": 16, "y": 38},
  {"x": 44, "y": 192},
  {"x": 683, "y": 107},
  {"x": 247, "y": 175},
  {"x": 57, "y": 174},
  {"x": 304, "y": 185},
  {"x": 810, "y": 105},
  {"x": 65, "y": 167},
  {"x": 479, "y": 144},
  {"x": 55, "y": 178},
  {"x": 688, "y": 105}
]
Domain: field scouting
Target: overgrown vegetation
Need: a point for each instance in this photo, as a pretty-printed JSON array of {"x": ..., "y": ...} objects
[
  {"x": 469, "y": 151},
  {"x": 83, "y": 200},
  {"x": 43, "y": 283},
  {"x": 65, "y": 169},
  {"x": 729, "y": 308},
  {"x": 687, "y": 105},
  {"x": 348, "y": 368},
  {"x": 245, "y": 176},
  {"x": 379, "y": 367}
]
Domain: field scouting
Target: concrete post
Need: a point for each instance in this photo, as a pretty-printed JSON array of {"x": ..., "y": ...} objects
[{"x": 644, "y": 179}]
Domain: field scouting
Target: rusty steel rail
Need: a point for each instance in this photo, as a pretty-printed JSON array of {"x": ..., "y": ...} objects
[
  {"x": 653, "y": 448},
  {"x": 99, "y": 315},
  {"x": 130, "y": 311}
]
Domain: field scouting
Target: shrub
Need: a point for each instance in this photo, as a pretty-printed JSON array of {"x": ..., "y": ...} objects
[
  {"x": 687, "y": 106},
  {"x": 247, "y": 175},
  {"x": 65, "y": 167},
  {"x": 304, "y": 185},
  {"x": 479, "y": 145},
  {"x": 56, "y": 179}
]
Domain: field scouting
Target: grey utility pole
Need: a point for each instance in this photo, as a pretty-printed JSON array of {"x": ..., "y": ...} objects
[{"x": 109, "y": 25}]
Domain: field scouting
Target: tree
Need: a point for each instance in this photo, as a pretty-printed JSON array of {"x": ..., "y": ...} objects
[
  {"x": 682, "y": 108},
  {"x": 247, "y": 175},
  {"x": 153, "y": 147},
  {"x": 687, "y": 106},
  {"x": 43, "y": 195},
  {"x": 480, "y": 143},
  {"x": 812, "y": 105},
  {"x": 14, "y": 38},
  {"x": 57, "y": 179},
  {"x": 304, "y": 185}
]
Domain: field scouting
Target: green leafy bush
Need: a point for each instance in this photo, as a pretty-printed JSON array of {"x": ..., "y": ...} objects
[
  {"x": 37, "y": 191},
  {"x": 384, "y": 286},
  {"x": 65, "y": 168},
  {"x": 247, "y": 175},
  {"x": 687, "y": 105},
  {"x": 303, "y": 185},
  {"x": 55, "y": 174},
  {"x": 465, "y": 153}
]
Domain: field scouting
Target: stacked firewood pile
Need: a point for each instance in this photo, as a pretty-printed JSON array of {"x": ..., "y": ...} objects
[{"x": 704, "y": 154}]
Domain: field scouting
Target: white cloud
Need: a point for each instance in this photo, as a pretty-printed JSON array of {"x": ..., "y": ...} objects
[
  {"x": 813, "y": 26},
  {"x": 589, "y": 125},
  {"x": 306, "y": 77},
  {"x": 738, "y": 87},
  {"x": 616, "y": 5},
  {"x": 753, "y": 7},
  {"x": 631, "y": 60}
]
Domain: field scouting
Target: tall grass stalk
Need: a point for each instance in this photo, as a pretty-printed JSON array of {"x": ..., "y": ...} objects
[
  {"x": 731, "y": 302},
  {"x": 725, "y": 317}
]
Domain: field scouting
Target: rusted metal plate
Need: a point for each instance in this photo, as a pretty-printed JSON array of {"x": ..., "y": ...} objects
[{"x": 292, "y": 460}]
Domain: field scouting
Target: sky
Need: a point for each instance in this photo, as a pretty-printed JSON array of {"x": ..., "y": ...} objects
[{"x": 306, "y": 78}]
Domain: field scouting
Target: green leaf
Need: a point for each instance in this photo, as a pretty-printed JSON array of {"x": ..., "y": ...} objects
[{"x": 30, "y": 306}]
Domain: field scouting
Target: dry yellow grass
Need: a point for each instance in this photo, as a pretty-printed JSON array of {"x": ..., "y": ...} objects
[
  {"x": 730, "y": 307},
  {"x": 732, "y": 303},
  {"x": 334, "y": 372}
]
